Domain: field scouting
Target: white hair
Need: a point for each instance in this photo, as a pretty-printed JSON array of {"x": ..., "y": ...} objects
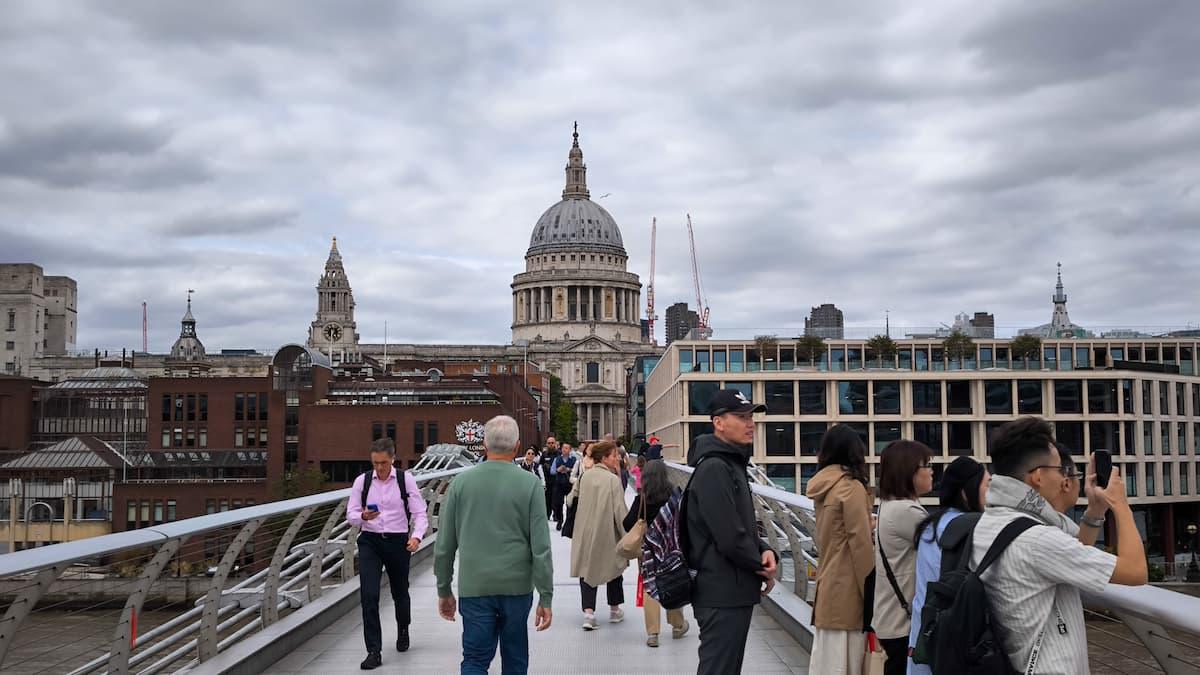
[{"x": 501, "y": 434}]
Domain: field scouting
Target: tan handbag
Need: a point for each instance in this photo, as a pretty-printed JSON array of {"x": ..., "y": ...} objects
[
  {"x": 874, "y": 656},
  {"x": 630, "y": 545}
]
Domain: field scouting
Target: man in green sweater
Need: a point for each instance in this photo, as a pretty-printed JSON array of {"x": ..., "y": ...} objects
[{"x": 495, "y": 517}]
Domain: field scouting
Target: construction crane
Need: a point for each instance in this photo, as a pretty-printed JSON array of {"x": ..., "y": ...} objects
[
  {"x": 704, "y": 331},
  {"x": 650, "y": 315}
]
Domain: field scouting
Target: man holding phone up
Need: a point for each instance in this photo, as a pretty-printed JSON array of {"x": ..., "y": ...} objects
[{"x": 388, "y": 506}]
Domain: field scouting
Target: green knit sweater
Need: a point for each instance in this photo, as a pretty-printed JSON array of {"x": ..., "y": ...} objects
[{"x": 494, "y": 520}]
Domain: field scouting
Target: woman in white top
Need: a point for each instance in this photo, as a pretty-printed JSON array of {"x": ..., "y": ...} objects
[{"x": 904, "y": 475}]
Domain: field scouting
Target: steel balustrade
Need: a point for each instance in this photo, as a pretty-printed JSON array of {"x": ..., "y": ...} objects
[
  {"x": 296, "y": 573},
  {"x": 1156, "y": 617}
]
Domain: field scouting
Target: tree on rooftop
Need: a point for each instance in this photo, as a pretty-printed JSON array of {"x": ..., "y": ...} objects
[
  {"x": 768, "y": 350},
  {"x": 810, "y": 348},
  {"x": 1025, "y": 347},
  {"x": 883, "y": 347},
  {"x": 959, "y": 346}
]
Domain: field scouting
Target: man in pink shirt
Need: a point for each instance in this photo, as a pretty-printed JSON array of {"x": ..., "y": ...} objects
[{"x": 392, "y": 529}]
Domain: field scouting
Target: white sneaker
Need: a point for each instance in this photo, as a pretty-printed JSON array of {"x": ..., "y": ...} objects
[
  {"x": 616, "y": 615},
  {"x": 589, "y": 622}
]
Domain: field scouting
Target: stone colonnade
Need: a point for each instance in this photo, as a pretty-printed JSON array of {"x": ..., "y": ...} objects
[
  {"x": 601, "y": 418},
  {"x": 576, "y": 303}
]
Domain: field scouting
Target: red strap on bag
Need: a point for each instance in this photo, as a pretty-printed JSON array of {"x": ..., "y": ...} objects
[{"x": 640, "y": 591}]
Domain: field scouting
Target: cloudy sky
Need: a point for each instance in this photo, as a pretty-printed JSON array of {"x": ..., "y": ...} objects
[{"x": 924, "y": 158}]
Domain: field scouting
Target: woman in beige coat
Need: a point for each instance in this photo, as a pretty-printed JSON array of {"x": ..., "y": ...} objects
[
  {"x": 847, "y": 554},
  {"x": 598, "y": 528}
]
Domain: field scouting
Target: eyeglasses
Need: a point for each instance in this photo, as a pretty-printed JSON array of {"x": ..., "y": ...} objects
[
  {"x": 1067, "y": 471},
  {"x": 926, "y": 465}
]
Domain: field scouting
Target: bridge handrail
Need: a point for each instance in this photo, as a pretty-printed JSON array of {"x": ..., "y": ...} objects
[{"x": 33, "y": 559}]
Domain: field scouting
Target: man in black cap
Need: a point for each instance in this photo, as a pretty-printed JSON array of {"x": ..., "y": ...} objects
[{"x": 734, "y": 567}]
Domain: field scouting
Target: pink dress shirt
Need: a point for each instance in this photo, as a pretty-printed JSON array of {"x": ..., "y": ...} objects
[{"x": 386, "y": 494}]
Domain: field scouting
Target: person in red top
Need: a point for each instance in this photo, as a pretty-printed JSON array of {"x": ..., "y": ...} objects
[{"x": 392, "y": 529}]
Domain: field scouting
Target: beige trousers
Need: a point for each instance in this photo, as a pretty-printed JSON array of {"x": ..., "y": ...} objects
[{"x": 653, "y": 614}]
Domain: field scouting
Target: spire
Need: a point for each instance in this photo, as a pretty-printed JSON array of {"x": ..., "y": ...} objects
[
  {"x": 1060, "y": 296},
  {"x": 189, "y": 321},
  {"x": 576, "y": 171},
  {"x": 188, "y": 347},
  {"x": 334, "y": 254}
]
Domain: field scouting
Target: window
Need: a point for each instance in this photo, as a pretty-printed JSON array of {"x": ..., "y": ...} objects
[
  {"x": 262, "y": 406},
  {"x": 1130, "y": 476},
  {"x": 390, "y": 431},
  {"x": 12, "y": 319},
  {"x": 1070, "y": 434},
  {"x": 203, "y": 439},
  {"x": 852, "y": 397},
  {"x": 718, "y": 361},
  {"x": 807, "y": 471},
  {"x": 191, "y": 437},
  {"x": 783, "y": 475},
  {"x": 960, "y": 438},
  {"x": 418, "y": 437},
  {"x": 251, "y": 406},
  {"x": 1165, "y": 437},
  {"x": 1068, "y": 397},
  {"x": 343, "y": 471},
  {"x": 1183, "y": 479},
  {"x": 922, "y": 358},
  {"x": 958, "y": 397},
  {"x": 1147, "y": 437},
  {"x": 1162, "y": 399},
  {"x": 1167, "y": 478},
  {"x": 737, "y": 361},
  {"x": 1127, "y": 396},
  {"x": 1104, "y": 436},
  {"x": 885, "y": 432},
  {"x": 144, "y": 518},
  {"x": 1180, "y": 437},
  {"x": 998, "y": 395},
  {"x": 1127, "y": 433},
  {"x": 376, "y": 430},
  {"x": 251, "y": 437},
  {"x": 158, "y": 511},
  {"x": 1147, "y": 387},
  {"x": 1029, "y": 396},
  {"x": 432, "y": 430},
  {"x": 1196, "y": 400},
  {"x": 191, "y": 407},
  {"x": 700, "y": 395},
  {"x": 210, "y": 506},
  {"x": 837, "y": 359},
  {"x": 1151, "y": 469},
  {"x": 239, "y": 407},
  {"x": 1102, "y": 396},
  {"x": 780, "y": 400},
  {"x": 166, "y": 407},
  {"x": 179, "y": 407},
  {"x": 131, "y": 514},
  {"x": 239, "y": 438},
  {"x": 812, "y": 398},
  {"x": 887, "y": 397},
  {"x": 166, "y": 437},
  {"x": 927, "y": 398},
  {"x": 177, "y": 437},
  {"x": 685, "y": 361},
  {"x": 593, "y": 372},
  {"x": 781, "y": 439},
  {"x": 203, "y": 407},
  {"x": 810, "y": 438},
  {"x": 1180, "y": 408},
  {"x": 929, "y": 433}
]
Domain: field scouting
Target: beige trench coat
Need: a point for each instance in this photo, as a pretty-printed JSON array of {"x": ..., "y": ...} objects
[{"x": 598, "y": 527}]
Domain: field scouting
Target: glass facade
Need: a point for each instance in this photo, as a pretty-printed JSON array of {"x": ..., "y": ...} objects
[
  {"x": 887, "y": 397},
  {"x": 699, "y": 396},
  {"x": 1102, "y": 396},
  {"x": 998, "y": 395},
  {"x": 885, "y": 432},
  {"x": 927, "y": 398},
  {"x": 959, "y": 438},
  {"x": 810, "y": 438},
  {"x": 929, "y": 433},
  {"x": 1029, "y": 397},
  {"x": 958, "y": 397},
  {"x": 780, "y": 399},
  {"x": 780, "y": 439},
  {"x": 1068, "y": 397},
  {"x": 783, "y": 475},
  {"x": 852, "y": 397},
  {"x": 812, "y": 398}
]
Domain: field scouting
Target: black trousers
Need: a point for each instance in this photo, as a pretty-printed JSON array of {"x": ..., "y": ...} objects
[
  {"x": 613, "y": 590},
  {"x": 897, "y": 655},
  {"x": 549, "y": 497},
  {"x": 561, "y": 490},
  {"x": 723, "y": 634},
  {"x": 377, "y": 552}
]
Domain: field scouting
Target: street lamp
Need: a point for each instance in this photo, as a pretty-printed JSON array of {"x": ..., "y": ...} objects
[{"x": 525, "y": 370}]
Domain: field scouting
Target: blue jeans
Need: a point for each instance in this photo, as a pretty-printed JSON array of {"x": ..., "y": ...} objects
[{"x": 491, "y": 618}]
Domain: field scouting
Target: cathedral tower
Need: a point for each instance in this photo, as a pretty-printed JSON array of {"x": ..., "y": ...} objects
[{"x": 334, "y": 331}]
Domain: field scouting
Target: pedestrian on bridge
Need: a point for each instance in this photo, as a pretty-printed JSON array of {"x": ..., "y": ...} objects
[
  {"x": 549, "y": 454},
  {"x": 598, "y": 528},
  {"x": 843, "y": 510},
  {"x": 735, "y": 567},
  {"x": 654, "y": 489},
  {"x": 561, "y": 470},
  {"x": 494, "y": 521},
  {"x": 388, "y": 506}
]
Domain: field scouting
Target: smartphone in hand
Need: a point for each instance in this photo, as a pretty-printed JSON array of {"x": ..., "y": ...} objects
[
  {"x": 1103, "y": 467},
  {"x": 372, "y": 507}
]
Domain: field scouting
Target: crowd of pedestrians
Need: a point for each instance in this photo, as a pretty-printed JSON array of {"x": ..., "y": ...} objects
[{"x": 880, "y": 570}]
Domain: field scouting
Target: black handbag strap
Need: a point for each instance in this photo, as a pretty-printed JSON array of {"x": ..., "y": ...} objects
[
  {"x": 1010, "y": 532},
  {"x": 887, "y": 567}
]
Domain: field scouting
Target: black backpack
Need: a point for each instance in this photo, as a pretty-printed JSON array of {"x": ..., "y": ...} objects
[
  {"x": 403, "y": 493},
  {"x": 958, "y": 634}
]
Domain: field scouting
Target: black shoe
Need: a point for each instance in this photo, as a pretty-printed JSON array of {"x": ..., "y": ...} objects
[
  {"x": 558, "y": 526},
  {"x": 373, "y": 661},
  {"x": 402, "y": 640}
]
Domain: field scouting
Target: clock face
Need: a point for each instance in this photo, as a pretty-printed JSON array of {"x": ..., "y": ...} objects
[{"x": 333, "y": 332}]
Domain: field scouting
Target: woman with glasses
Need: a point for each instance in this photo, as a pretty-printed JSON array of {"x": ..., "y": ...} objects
[
  {"x": 904, "y": 475},
  {"x": 963, "y": 490}
]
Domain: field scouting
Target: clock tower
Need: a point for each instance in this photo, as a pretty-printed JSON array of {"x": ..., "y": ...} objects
[{"x": 333, "y": 332}]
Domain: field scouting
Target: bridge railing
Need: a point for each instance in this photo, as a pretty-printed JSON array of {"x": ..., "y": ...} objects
[
  {"x": 168, "y": 597},
  {"x": 1153, "y": 629}
]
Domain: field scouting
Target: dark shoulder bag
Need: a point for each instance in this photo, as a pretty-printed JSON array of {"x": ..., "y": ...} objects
[{"x": 403, "y": 492}]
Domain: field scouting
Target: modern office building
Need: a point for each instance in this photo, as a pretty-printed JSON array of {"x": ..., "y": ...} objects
[
  {"x": 826, "y": 322},
  {"x": 681, "y": 321},
  {"x": 1138, "y": 399}
]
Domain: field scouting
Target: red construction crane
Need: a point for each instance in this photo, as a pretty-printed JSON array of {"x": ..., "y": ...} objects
[
  {"x": 704, "y": 331},
  {"x": 650, "y": 316}
]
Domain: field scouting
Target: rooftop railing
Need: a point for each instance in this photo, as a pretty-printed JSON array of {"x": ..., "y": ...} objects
[
  {"x": 169, "y": 597},
  {"x": 1130, "y": 629}
]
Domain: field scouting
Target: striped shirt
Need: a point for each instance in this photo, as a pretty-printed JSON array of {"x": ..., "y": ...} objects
[{"x": 1041, "y": 571}]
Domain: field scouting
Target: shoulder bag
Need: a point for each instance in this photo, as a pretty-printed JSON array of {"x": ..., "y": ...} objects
[{"x": 630, "y": 545}]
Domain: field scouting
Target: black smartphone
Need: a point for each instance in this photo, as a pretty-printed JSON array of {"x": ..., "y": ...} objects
[{"x": 1103, "y": 467}]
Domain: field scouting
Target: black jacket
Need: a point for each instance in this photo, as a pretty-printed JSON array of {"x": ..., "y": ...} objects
[
  {"x": 635, "y": 512},
  {"x": 722, "y": 532}
]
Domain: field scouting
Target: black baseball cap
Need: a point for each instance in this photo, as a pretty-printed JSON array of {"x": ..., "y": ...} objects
[{"x": 732, "y": 400}]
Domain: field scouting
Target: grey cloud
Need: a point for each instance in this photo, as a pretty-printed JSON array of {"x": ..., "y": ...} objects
[
  {"x": 244, "y": 220},
  {"x": 95, "y": 153}
]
